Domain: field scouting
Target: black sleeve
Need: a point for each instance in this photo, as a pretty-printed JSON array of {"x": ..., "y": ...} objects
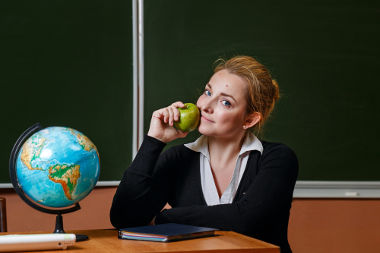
[
  {"x": 142, "y": 191},
  {"x": 269, "y": 195}
]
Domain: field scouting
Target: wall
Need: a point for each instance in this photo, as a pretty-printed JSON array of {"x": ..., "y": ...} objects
[
  {"x": 316, "y": 225},
  {"x": 93, "y": 214},
  {"x": 335, "y": 225}
]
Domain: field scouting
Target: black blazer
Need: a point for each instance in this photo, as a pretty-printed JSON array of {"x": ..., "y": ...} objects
[{"x": 260, "y": 208}]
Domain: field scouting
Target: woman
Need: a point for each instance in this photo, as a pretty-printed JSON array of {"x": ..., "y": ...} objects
[{"x": 228, "y": 178}]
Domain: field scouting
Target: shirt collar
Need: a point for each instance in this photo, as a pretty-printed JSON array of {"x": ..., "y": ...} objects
[
  {"x": 200, "y": 145},
  {"x": 251, "y": 142}
]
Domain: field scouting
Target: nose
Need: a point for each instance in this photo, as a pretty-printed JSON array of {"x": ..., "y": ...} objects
[{"x": 205, "y": 104}]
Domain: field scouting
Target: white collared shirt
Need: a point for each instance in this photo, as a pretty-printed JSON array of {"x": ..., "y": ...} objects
[{"x": 209, "y": 189}]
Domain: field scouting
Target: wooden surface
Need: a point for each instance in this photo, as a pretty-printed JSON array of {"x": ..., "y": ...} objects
[{"x": 226, "y": 242}]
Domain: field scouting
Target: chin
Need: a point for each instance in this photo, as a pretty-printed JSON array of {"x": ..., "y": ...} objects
[
  {"x": 205, "y": 130},
  {"x": 202, "y": 130}
]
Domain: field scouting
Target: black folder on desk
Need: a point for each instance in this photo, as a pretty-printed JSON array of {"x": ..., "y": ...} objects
[{"x": 165, "y": 232}]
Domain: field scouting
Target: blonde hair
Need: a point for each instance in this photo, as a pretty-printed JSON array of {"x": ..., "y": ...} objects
[{"x": 263, "y": 91}]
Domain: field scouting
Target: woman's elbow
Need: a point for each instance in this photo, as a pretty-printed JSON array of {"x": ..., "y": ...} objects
[{"x": 115, "y": 219}]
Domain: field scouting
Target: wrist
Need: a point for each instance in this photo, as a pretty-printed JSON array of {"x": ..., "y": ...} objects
[
  {"x": 156, "y": 136},
  {"x": 152, "y": 139}
]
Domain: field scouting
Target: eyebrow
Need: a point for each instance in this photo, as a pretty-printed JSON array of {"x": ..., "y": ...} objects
[{"x": 223, "y": 94}]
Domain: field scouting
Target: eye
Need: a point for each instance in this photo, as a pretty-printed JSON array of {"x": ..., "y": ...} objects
[
  {"x": 226, "y": 103},
  {"x": 208, "y": 93}
]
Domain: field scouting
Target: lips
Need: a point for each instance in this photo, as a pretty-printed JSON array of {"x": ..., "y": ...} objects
[{"x": 206, "y": 119}]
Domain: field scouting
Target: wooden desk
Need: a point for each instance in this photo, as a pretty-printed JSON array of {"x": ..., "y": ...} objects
[{"x": 226, "y": 242}]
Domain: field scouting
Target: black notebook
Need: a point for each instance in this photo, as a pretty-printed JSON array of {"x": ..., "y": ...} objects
[{"x": 165, "y": 232}]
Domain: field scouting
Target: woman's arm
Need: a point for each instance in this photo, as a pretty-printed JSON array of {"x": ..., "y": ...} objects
[
  {"x": 141, "y": 192},
  {"x": 269, "y": 196}
]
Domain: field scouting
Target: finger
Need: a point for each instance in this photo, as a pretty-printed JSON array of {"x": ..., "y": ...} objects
[
  {"x": 178, "y": 104},
  {"x": 171, "y": 114},
  {"x": 166, "y": 115},
  {"x": 176, "y": 114},
  {"x": 157, "y": 114}
]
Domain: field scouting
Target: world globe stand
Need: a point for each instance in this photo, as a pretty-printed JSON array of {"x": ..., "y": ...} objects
[
  {"x": 59, "y": 228},
  {"x": 59, "y": 224},
  {"x": 12, "y": 172}
]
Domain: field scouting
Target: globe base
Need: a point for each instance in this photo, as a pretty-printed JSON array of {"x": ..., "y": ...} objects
[
  {"x": 59, "y": 229},
  {"x": 59, "y": 224}
]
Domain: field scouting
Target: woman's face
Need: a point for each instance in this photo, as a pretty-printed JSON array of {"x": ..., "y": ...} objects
[{"x": 223, "y": 106}]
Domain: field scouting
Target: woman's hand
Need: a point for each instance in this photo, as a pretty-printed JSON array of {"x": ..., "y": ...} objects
[
  {"x": 162, "y": 121},
  {"x": 153, "y": 221}
]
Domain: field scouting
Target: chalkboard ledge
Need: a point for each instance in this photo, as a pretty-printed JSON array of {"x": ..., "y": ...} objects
[
  {"x": 98, "y": 184},
  {"x": 306, "y": 189},
  {"x": 337, "y": 189}
]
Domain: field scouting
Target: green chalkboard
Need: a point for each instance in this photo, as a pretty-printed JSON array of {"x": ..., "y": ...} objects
[
  {"x": 324, "y": 54},
  {"x": 68, "y": 63}
]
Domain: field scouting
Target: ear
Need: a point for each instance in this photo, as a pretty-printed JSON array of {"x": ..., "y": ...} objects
[{"x": 252, "y": 119}]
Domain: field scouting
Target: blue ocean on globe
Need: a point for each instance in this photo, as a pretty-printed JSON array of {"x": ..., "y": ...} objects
[{"x": 57, "y": 167}]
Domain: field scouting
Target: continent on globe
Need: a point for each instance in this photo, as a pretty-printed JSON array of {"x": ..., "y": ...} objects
[
  {"x": 84, "y": 141},
  {"x": 66, "y": 175},
  {"x": 31, "y": 151}
]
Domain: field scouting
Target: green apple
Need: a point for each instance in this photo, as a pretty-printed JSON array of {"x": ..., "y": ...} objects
[{"x": 189, "y": 118}]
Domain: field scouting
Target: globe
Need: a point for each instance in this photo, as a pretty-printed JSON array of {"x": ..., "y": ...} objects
[
  {"x": 53, "y": 168},
  {"x": 57, "y": 166}
]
